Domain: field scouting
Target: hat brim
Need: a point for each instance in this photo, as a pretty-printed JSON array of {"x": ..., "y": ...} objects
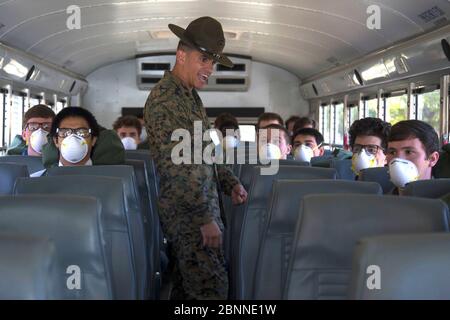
[{"x": 181, "y": 33}]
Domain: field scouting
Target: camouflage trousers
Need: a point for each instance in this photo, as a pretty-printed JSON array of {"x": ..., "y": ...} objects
[{"x": 199, "y": 273}]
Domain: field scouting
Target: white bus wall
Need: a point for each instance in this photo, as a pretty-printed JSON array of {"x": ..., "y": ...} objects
[{"x": 114, "y": 86}]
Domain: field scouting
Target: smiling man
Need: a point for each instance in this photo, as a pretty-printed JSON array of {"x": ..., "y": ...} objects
[{"x": 189, "y": 193}]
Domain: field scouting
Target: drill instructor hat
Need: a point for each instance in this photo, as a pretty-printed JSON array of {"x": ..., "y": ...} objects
[{"x": 206, "y": 35}]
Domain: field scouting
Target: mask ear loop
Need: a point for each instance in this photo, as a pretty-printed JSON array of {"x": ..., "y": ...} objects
[{"x": 317, "y": 147}]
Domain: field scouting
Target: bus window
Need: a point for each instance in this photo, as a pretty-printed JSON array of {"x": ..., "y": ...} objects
[
  {"x": 59, "y": 106},
  {"x": 428, "y": 108},
  {"x": 33, "y": 102},
  {"x": 13, "y": 119},
  {"x": 339, "y": 124},
  {"x": 372, "y": 108},
  {"x": 353, "y": 114},
  {"x": 326, "y": 123},
  {"x": 397, "y": 109}
]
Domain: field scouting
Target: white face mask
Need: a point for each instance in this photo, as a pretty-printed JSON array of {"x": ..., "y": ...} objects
[
  {"x": 74, "y": 148},
  {"x": 270, "y": 152},
  {"x": 37, "y": 140},
  {"x": 143, "y": 135},
  {"x": 230, "y": 142},
  {"x": 129, "y": 143},
  {"x": 363, "y": 160},
  {"x": 303, "y": 153},
  {"x": 402, "y": 171}
]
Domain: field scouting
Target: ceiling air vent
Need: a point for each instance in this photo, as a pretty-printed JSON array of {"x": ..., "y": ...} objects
[
  {"x": 146, "y": 66},
  {"x": 237, "y": 67},
  {"x": 230, "y": 81},
  {"x": 149, "y": 80},
  {"x": 431, "y": 14},
  {"x": 150, "y": 69}
]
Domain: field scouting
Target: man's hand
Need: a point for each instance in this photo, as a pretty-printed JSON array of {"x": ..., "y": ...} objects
[
  {"x": 238, "y": 194},
  {"x": 212, "y": 236}
]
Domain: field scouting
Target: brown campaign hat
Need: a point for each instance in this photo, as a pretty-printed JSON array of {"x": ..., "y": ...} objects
[{"x": 206, "y": 35}]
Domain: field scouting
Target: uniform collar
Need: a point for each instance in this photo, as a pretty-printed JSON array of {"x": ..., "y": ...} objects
[{"x": 177, "y": 81}]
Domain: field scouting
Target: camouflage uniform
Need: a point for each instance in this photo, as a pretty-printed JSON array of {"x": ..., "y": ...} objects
[{"x": 188, "y": 192}]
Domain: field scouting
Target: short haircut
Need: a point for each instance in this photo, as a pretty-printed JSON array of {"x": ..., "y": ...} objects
[
  {"x": 280, "y": 128},
  {"x": 370, "y": 127},
  {"x": 37, "y": 111},
  {"x": 226, "y": 121},
  {"x": 267, "y": 116},
  {"x": 184, "y": 47},
  {"x": 309, "y": 132},
  {"x": 411, "y": 129},
  {"x": 303, "y": 122},
  {"x": 75, "y": 112},
  {"x": 128, "y": 121},
  {"x": 291, "y": 119}
]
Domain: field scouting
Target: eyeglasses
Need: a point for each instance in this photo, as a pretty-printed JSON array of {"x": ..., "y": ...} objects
[
  {"x": 33, "y": 126},
  {"x": 370, "y": 148},
  {"x": 81, "y": 132}
]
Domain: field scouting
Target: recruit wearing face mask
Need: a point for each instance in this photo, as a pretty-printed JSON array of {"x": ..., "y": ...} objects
[
  {"x": 38, "y": 139},
  {"x": 270, "y": 151},
  {"x": 129, "y": 143},
  {"x": 74, "y": 141},
  {"x": 303, "y": 153},
  {"x": 402, "y": 172},
  {"x": 363, "y": 160}
]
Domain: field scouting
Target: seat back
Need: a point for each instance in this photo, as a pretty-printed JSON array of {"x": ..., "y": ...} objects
[
  {"x": 282, "y": 216},
  {"x": 34, "y": 164},
  {"x": 321, "y": 161},
  {"x": 343, "y": 168},
  {"x": 27, "y": 268},
  {"x": 109, "y": 191},
  {"x": 151, "y": 224},
  {"x": 408, "y": 267},
  {"x": 73, "y": 224},
  {"x": 133, "y": 209},
  {"x": 255, "y": 217},
  {"x": 9, "y": 172},
  {"x": 434, "y": 188},
  {"x": 379, "y": 175},
  {"x": 331, "y": 225}
]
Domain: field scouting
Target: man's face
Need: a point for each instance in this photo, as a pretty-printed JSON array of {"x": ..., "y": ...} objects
[
  {"x": 264, "y": 123},
  {"x": 413, "y": 150},
  {"x": 309, "y": 141},
  {"x": 31, "y": 126},
  {"x": 372, "y": 145},
  {"x": 131, "y": 132},
  {"x": 34, "y": 124},
  {"x": 277, "y": 137},
  {"x": 198, "y": 68},
  {"x": 290, "y": 126},
  {"x": 75, "y": 123}
]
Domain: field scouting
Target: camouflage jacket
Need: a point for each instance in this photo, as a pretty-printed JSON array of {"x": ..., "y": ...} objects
[{"x": 189, "y": 189}]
